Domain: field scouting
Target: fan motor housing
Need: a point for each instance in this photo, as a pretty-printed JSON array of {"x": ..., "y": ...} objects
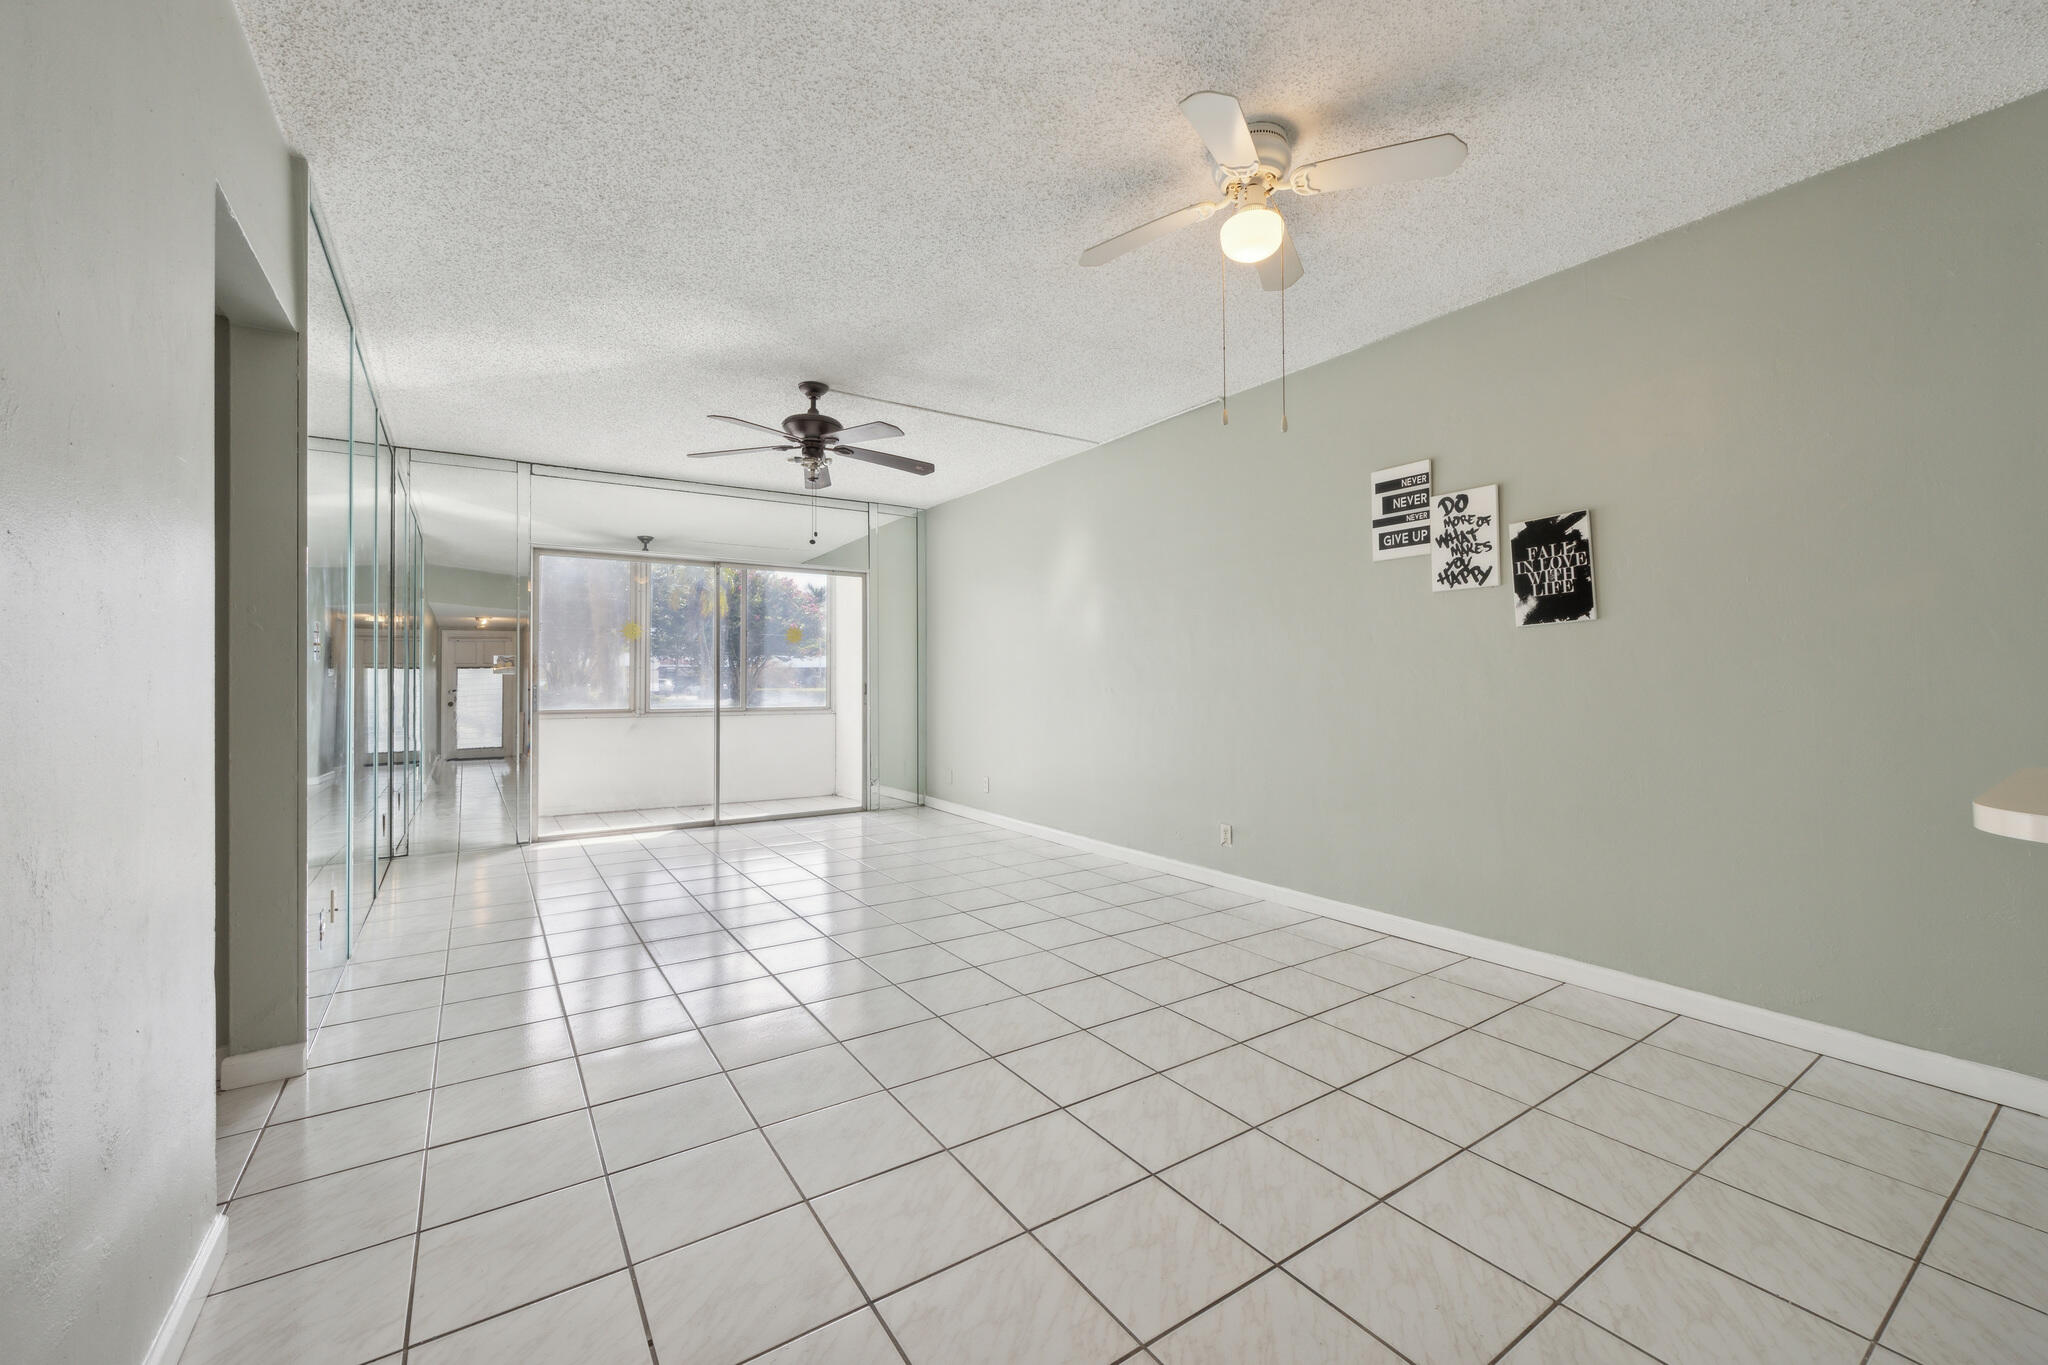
[
  {"x": 1276, "y": 147},
  {"x": 811, "y": 427},
  {"x": 1275, "y": 144}
]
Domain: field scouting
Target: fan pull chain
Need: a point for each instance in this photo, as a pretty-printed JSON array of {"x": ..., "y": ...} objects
[
  {"x": 1223, "y": 282},
  {"x": 1283, "y": 334}
]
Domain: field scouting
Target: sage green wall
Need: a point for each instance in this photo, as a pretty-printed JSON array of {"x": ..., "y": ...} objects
[
  {"x": 261, "y": 870},
  {"x": 1813, "y": 432}
]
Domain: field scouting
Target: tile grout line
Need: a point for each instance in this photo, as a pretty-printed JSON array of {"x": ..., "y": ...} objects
[
  {"x": 1899, "y": 1296},
  {"x": 1150, "y": 1174},
  {"x": 590, "y": 1124},
  {"x": 943, "y": 1148},
  {"x": 1512, "y": 1004},
  {"x": 1461, "y": 1150},
  {"x": 1557, "y": 1301},
  {"x": 866, "y": 1300},
  {"x": 624, "y": 910},
  {"x": 412, "y": 1279},
  {"x": 1248, "y": 1041},
  {"x": 1059, "y": 1108},
  {"x": 1508, "y": 1005},
  {"x": 1162, "y": 1073}
]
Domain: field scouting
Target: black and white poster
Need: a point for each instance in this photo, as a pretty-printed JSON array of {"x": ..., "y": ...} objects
[
  {"x": 1553, "y": 567},
  {"x": 1464, "y": 539},
  {"x": 1400, "y": 511}
]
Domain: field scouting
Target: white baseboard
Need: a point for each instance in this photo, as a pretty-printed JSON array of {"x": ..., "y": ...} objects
[
  {"x": 254, "y": 1068},
  {"x": 898, "y": 794},
  {"x": 184, "y": 1311},
  {"x": 1993, "y": 1083}
]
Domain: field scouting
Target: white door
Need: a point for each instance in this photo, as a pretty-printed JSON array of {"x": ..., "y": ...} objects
[{"x": 477, "y": 713}]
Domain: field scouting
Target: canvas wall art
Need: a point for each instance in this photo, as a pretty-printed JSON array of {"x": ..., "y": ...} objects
[
  {"x": 1400, "y": 516},
  {"x": 1552, "y": 561},
  {"x": 1464, "y": 539}
]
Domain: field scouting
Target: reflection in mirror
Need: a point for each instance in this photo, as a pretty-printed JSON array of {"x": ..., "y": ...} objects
[
  {"x": 329, "y": 739},
  {"x": 894, "y": 677},
  {"x": 366, "y": 483},
  {"x": 473, "y": 605},
  {"x": 362, "y": 622}
]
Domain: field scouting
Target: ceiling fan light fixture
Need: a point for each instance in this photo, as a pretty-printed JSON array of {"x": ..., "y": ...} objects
[{"x": 1252, "y": 234}]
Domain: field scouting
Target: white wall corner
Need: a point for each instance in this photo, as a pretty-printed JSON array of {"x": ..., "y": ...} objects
[
  {"x": 1997, "y": 1084},
  {"x": 191, "y": 1297},
  {"x": 254, "y": 1068}
]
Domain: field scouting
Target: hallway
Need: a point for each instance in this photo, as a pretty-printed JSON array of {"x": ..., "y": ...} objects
[{"x": 893, "y": 1086}]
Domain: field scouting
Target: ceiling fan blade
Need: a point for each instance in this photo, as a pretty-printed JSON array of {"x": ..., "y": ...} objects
[
  {"x": 817, "y": 476},
  {"x": 1415, "y": 160},
  {"x": 902, "y": 462},
  {"x": 741, "y": 450},
  {"x": 1219, "y": 122},
  {"x": 1281, "y": 269},
  {"x": 777, "y": 432},
  {"x": 1152, "y": 231},
  {"x": 870, "y": 431}
]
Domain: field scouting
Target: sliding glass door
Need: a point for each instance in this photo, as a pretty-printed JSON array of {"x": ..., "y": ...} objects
[
  {"x": 676, "y": 692},
  {"x": 793, "y": 724}
]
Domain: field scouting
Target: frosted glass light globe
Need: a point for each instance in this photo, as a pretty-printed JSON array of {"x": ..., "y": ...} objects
[{"x": 1250, "y": 235}]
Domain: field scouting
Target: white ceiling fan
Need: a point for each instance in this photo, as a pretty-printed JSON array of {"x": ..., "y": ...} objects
[{"x": 1254, "y": 161}]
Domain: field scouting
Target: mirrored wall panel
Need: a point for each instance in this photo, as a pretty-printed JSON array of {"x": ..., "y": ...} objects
[
  {"x": 329, "y": 636},
  {"x": 538, "y": 652},
  {"x": 472, "y": 568},
  {"x": 895, "y": 652},
  {"x": 364, "y": 633}
]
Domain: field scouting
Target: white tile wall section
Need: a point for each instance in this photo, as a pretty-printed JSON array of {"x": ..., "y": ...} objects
[{"x": 910, "y": 1087}]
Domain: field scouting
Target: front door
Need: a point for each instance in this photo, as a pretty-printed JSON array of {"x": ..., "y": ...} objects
[{"x": 477, "y": 698}]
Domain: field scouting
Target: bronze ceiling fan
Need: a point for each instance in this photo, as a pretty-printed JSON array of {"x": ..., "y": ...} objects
[{"x": 817, "y": 439}]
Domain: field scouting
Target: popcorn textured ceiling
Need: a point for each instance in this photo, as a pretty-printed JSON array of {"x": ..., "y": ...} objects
[{"x": 570, "y": 231}]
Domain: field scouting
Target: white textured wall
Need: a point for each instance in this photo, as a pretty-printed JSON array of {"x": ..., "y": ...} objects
[
  {"x": 1813, "y": 432},
  {"x": 118, "y": 120},
  {"x": 605, "y": 763}
]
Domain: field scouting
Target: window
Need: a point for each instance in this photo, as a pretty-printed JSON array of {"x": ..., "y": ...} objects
[
  {"x": 589, "y": 632},
  {"x": 788, "y": 662},
  {"x": 682, "y": 614},
  {"x": 606, "y": 622}
]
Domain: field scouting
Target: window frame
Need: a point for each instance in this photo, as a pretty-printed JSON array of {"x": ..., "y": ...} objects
[{"x": 642, "y": 615}]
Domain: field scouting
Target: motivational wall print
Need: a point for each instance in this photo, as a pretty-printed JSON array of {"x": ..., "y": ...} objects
[
  {"x": 1464, "y": 539},
  {"x": 1553, "y": 567},
  {"x": 1400, "y": 516}
]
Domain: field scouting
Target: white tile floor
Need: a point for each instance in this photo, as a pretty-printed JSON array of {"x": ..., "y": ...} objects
[{"x": 908, "y": 1087}]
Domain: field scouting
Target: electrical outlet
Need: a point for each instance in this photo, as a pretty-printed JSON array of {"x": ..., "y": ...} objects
[
  {"x": 949, "y": 777},
  {"x": 984, "y": 784},
  {"x": 1226, "y": 836}
]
